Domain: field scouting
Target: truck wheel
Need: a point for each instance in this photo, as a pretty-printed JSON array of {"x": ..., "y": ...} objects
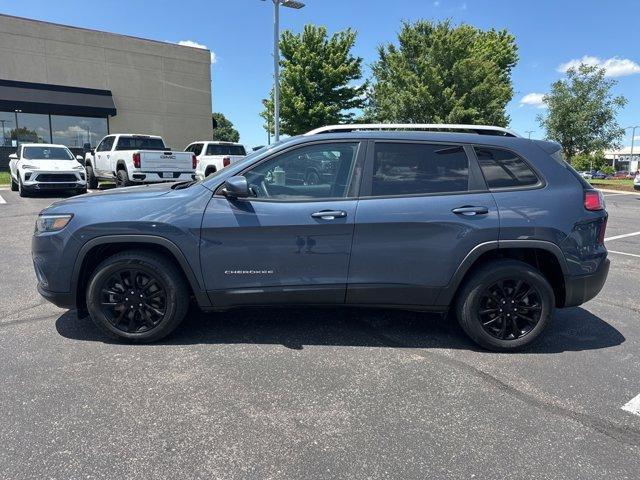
[
  {"x": 122, "y": 179},
  {"x": 505, "y": 305},
  {"x": 14, "y": 185},
  {"x": 21, "y": 190},
  {"x": 209, "y": 171},
  {"x": 137, "y": 296},
  {"x": 92, "y": 181}
]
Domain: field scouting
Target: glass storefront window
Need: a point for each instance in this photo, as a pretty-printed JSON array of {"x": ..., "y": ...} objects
[
  {"x": 7, "y": 124},
  {"x": 77, "y": 132},
  {"x": 33, "y": 127}
]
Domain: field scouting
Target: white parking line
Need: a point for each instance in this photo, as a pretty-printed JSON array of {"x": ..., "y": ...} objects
[
  {"x": 621, "y": 236},
  {"x": 2, "y": 200},
  {"x": 633, "y": 405},
  {"x": 624, "y": 253},
  {"x": 613, "y": 194}
]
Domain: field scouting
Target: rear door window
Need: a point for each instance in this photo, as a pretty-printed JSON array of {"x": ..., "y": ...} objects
[
  {"x": 215, "y": 149},
  {"x": 140, "y": 143},
  {"x": 504, "y": 169},
  {"x": 419, "y": 168}
]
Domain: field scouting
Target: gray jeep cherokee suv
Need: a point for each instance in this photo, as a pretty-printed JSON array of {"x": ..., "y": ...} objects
[{"x": 496, "y": 228}]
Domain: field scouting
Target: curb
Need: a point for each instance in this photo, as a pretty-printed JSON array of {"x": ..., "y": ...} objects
[{"x": 623, "y": 192}]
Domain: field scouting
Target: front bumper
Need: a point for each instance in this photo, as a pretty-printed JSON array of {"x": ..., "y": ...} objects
[
  {"x": 59, "y": 299},
  {"x": 53, "y": 180},
  {"x": 582, "y": 288}
]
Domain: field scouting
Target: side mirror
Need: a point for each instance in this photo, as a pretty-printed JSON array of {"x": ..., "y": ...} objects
[
  {"x": 236, "y": 187},
  {"x": 93, "y": 151},
  {"x": 13, "y": 156},
  {"x": 80, "y": 158}
]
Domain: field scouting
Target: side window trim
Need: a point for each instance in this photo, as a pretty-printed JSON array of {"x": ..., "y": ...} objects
[
  {"x": 354, "y": 182},
  {"x": 476, "y": 179},
  {"x": 541, "y": 183}
]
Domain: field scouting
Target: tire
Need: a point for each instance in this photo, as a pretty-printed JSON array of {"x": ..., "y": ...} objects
[
  {"x": 312, "y": 178},
  {"x": 209, "y": 171},
  {"x": 122, "y": 178},
  {"x": 21, "y": 190},
  {"x": 491, "y": 312},
  {"x": 92, "y": 181},
  {"x": 137, "y": 324},
  {"x": 14, "y": 185}
]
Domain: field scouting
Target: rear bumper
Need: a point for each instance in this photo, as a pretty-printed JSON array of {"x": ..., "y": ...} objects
[
  {"x": 158, "y": 177},
  {"x": 582, "y": 288}
]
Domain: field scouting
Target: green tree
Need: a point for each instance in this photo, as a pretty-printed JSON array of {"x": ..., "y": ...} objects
[
  {"x": 439, "y": 73},
  {"x": 582, "y": 112},
  {"x": 224, "y": 130},
  {"x": 316, "y": 84},
  {"x": 589, "y": 161}
]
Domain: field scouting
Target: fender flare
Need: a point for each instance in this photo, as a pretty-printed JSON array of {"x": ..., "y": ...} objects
[
  {"x": 194, "y": 281},
  {"x": 446, "y": 295}
]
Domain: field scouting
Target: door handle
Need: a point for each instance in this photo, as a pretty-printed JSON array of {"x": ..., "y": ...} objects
[
  {"x": 329, "y": 214},
  {"x": 470, "y": 210}
]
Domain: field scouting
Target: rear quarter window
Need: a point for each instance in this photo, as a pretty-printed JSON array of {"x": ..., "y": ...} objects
[{"x": 504, "y": 169}]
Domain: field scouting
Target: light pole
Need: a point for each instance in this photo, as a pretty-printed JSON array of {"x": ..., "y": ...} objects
[
  {"x": 276, "y": 60},
  {"x": 633, "y": 137},
  {"x": 529, "y": 132}
]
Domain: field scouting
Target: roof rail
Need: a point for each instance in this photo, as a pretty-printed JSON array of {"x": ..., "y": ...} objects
[{"x": 478, "y": 129}]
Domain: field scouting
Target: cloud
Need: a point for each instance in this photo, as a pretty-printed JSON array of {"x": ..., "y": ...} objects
[
  {"x": 614, "y": 66},
  {"x": 534, "y": 100},
  {"x": 436, "y": 3},
  {"x": 191, "y": 43}
]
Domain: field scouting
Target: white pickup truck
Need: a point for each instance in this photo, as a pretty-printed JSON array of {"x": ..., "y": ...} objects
[
  {"x": 132, "y": 159},
  {"x": 215, "y": 155}
]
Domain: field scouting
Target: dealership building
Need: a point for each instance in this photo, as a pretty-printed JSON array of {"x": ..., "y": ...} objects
[{"x": 73, "y": 86}]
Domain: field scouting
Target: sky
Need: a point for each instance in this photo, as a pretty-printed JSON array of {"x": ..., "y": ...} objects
[{"x": 550, "y": 36}]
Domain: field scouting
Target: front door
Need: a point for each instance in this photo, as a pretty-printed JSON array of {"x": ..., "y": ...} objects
[
  {"x": 291, "y": 242},
  {"x": 423, "y": 208}
]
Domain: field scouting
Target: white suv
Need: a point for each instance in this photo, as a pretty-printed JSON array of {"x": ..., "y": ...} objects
[
  {"x": 636, "y": 181},
  {"x": 44, "y": 166},
  {"x": 213, "y": 156}
]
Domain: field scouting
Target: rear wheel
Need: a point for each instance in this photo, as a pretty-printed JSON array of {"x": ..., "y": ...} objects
[
  {"x": 210, "y": 171},
  {"x": 92, "y": 181},
  {"x": 14, "y": 185},
  {"x": 505, "y": 305},
  {"x": 137, "y": 296},
  {"x": 122, "y": 179}
]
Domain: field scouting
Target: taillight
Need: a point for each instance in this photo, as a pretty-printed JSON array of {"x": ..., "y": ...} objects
[
  {"x": 136, "y": 160},
  {"x": 593, "y": 200},
  {"x": 226, "y": 161},
  {"x": 194, "y": 161}
]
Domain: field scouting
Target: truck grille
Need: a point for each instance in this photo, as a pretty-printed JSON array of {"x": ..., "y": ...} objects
[{"x": 57, "y": 177}]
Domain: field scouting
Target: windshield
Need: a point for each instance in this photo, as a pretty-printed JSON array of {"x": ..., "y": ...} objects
[
  {"x": 47, "y": 153},
  {"x": 140, "y": 143},
  {"x": 214, "y": 149}
]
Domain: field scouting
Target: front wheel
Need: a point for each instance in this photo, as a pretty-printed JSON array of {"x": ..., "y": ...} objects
[
  {"x": 92, "y": 181},
  {"x": 137, "y": 296},
  {"x": 14, "y": 185},
  {"x": 505, "y": 305},
  {"x": 21, "y": 190}
]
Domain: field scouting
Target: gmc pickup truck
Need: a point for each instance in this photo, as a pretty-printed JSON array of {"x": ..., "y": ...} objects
[{"x": 130, "y": 159}]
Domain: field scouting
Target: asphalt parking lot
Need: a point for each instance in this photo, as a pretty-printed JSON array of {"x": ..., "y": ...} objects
[{"x": 318, "y": 393}]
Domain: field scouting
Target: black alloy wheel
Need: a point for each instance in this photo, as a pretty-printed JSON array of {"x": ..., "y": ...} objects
[
  {"x": 510, "y": 309},
  {"x": 134, "y": 300}
]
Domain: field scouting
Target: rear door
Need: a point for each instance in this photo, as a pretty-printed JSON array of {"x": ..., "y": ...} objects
[
  {"x": 423, "y": 208},
  {"x": 290, "y": 243}
]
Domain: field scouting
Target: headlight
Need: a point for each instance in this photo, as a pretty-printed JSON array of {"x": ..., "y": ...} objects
[
  {"x": 52, "y": 223},
  {"x": 29, "y": 167}
]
